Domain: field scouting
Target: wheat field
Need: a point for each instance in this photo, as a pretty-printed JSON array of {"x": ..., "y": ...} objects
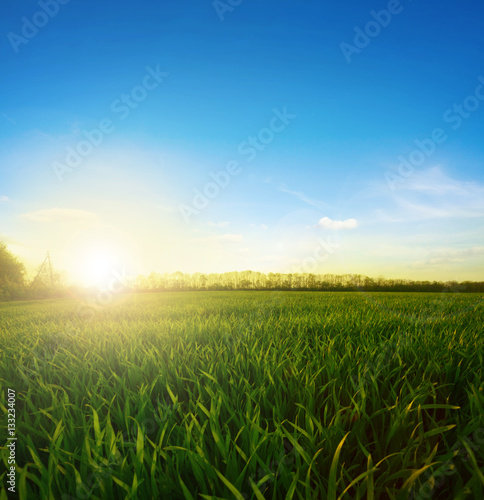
[{"x": 295, "y": 395}]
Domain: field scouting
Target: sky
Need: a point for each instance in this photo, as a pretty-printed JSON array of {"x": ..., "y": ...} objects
[{"x": 214, "y": 136}]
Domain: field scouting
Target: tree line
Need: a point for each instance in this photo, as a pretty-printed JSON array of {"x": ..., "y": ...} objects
[
  {"x": 252, "y": 280},
  {"x": 16, "y": 285}
]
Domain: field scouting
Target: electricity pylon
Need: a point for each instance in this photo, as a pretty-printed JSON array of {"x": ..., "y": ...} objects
[{"x": 47, "y": 259}]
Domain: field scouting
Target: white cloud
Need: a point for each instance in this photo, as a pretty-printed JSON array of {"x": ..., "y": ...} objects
[
  {"x": 223, "y": 223},
  {"x": 62, "y": 216},
  {"x": 327, "y": 223},
  {"x": 4, "y": 199},
  {"x": 259, "y": 226}
]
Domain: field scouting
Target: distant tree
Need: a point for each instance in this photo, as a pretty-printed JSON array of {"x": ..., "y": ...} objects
[
  {"x": 311, "y": 281},
  {"x": 12, "y": 274},
  {"x": 250, "y": 280},
  {"x": 154, "y": 280},
  {"x": 245, "y": 284}
]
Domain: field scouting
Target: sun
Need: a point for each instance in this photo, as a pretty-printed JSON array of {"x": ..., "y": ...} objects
[
  {"x": 100, "y": 267},
  {"x": 101, "y": 258}
]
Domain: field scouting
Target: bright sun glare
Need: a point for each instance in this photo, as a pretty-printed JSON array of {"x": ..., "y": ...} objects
[
  {"x": 97, "y": 260},
  {"x": 99, "y": 269}
]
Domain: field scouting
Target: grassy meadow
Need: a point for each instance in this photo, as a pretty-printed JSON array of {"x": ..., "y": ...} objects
[{"x": 297, "y": 395}]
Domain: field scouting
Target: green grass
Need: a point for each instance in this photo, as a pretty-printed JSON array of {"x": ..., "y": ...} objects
[{"x": 246, "y": 395}]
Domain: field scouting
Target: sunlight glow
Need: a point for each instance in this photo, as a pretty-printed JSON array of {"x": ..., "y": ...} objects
[{"x": 100, "y": 266}]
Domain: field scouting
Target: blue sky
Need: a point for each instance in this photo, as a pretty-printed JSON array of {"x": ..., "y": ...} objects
[{"x": 313, "y": 122}]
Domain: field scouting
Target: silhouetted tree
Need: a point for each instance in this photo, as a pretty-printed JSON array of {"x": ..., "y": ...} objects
[{"x": 12, "y": 275}]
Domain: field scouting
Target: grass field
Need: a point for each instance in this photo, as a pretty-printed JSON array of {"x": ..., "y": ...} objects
[{"x": 246, "y": 395}]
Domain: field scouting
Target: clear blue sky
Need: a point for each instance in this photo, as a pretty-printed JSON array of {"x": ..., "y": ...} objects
[{"x": 321, "y": 192}]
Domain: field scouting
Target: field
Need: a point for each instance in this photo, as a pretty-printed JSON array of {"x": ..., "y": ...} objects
[{"x": 246, "y": 395}]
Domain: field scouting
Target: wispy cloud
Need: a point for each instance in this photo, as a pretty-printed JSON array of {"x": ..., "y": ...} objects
[
  {"x": 223, "y": 223},
  {"x": 9, "y": 119},
  {"x": 4, "y": 199},
  {"x": 425, "y": 196},
  {"x": 259, "y": 226},
  {"x": 434, "y": 181},
  {"x": 444, "y": 256},
  {"x": 432, "y": 194},
  {"x": 299, "y": 194},
  {"x": 327, "y": 223},
  {"x": 62, "y": 216}
]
